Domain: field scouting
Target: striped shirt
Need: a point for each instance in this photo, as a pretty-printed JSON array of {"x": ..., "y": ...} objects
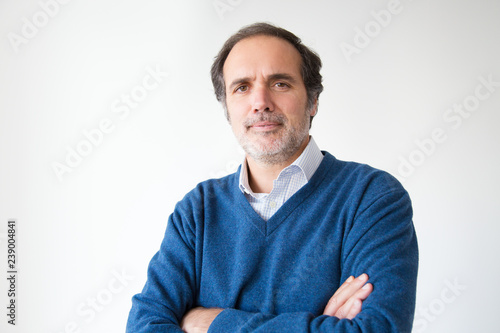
[{"x": 289, "y": 181}]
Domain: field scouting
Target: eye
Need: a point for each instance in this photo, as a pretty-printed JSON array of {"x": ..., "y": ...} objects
[
  {"x": 281, "y": 85},
  {"x": 241, "y": 89}
]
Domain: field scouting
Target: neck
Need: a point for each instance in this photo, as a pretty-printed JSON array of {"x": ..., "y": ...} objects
[{"x": 261, "y": 175}]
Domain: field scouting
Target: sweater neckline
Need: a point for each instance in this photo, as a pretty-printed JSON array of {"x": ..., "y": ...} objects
[{"x": 266, "y": 228}]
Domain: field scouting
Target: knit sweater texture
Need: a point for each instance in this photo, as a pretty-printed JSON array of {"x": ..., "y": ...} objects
[{"x": 277, "y": 276}]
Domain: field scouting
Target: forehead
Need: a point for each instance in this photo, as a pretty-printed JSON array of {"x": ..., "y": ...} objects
[{"x": 262, "y": 55}]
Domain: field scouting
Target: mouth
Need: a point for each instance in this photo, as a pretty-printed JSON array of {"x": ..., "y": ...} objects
[{"x": 264, "y": 126}]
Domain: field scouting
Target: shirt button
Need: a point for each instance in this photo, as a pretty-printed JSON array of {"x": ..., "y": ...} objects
[{"x": 272, "y": 204}]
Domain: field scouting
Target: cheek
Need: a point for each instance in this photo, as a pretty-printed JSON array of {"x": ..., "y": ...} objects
[
  {"x": 294, "y": 108},
  {"x": 235, "y": 120},
  {"x": 237, "y": 105},
  {"x": 292, "y": 101},
  {"x": 236, "y": 111}
]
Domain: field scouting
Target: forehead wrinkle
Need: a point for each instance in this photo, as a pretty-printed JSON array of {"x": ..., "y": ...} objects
[
  {"x": 282, "y": 76},
  {"x": 271, "y": 77},
  {"x": 265, "y": 54}
]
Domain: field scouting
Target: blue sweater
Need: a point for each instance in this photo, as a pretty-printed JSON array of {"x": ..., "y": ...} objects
[{"x": 277, "y": 276}]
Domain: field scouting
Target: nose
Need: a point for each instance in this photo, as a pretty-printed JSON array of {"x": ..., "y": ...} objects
[{"x": 262, "y": 99}]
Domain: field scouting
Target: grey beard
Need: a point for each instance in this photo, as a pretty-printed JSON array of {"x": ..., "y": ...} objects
[{"x": 282, "y": 148}]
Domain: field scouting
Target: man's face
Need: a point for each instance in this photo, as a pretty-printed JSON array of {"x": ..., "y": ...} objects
[{"x": 266, "y": 98}]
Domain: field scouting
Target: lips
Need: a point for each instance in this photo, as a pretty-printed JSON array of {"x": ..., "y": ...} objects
[{"x": 263, "y": 126}]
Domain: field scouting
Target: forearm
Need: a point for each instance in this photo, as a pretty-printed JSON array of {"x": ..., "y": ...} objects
[
  {"x": 198, "y": 320},
  {"x": 231, "y": 320},
  {"x": 169, "y": 289},
  {"x": 147, "y": 317},
  {"x": 345, "y": 303}
]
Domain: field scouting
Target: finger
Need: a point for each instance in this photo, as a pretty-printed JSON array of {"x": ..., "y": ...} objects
[
  {"x": 364, "y": 292},
  {"x": 354, "y": 310},
  {"x": 341, "y": 296},
  {"x": 344, "y": 285},
  {"x": 345, "y": 309},
  {"x": 353, "y": 305},
  {"x": 332, "y": 307}
]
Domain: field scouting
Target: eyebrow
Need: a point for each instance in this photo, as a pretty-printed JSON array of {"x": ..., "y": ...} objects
[{"x": 272, "y": 77}]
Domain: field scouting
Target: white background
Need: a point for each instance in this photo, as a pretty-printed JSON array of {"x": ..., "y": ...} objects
[{"x": 107, "y": 216}]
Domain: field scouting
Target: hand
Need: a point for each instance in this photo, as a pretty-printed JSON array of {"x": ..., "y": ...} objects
[
  {"x": 348, "y": 299},
  {"x": 198, "y": 320}
]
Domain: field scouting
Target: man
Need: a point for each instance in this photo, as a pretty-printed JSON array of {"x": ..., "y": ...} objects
[{"x": 266, "y": 249}]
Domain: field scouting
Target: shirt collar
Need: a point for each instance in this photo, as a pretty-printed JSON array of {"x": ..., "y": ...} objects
[{"x": 308, "y": 162}]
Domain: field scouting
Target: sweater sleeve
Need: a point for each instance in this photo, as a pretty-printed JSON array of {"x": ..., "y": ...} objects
[
  {"x": 170, "y": 288},
  {"x": 380, "y": 240}
]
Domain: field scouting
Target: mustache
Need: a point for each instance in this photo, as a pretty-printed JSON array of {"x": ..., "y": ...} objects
[{"x": 271, "y": 117}]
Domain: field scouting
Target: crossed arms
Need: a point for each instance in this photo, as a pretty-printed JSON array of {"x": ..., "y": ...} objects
[{"x": 346, "y": 303}]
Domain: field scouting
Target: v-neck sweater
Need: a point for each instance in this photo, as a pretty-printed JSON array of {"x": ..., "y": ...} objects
[{"x": 278, "y": 275}]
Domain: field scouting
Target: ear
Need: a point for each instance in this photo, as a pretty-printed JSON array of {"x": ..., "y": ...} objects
[{"x": 314, "y": 109}]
